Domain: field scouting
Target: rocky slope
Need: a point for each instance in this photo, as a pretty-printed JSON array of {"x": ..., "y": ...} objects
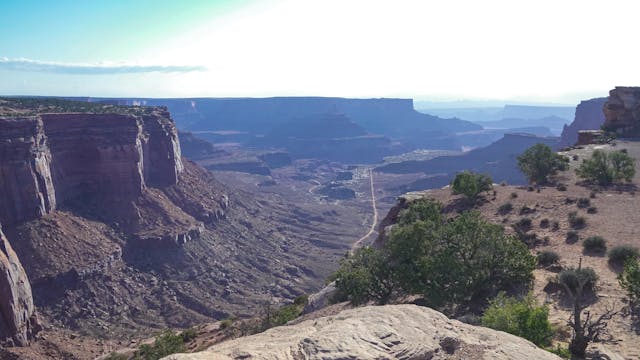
[
  {"x": 589, "y": 116},
  {"x": 376, "y": 332},
  {"x": 18, "y": 319},
  {"x": 622, "y": 111}
]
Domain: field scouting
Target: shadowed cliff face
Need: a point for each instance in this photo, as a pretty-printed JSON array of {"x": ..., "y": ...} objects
[
  {"x": 622, "y": 111},
  {"x": 54, "y": 158},
  {"x": 589, "y": 116},
  {"x": 18, "y": 321}
]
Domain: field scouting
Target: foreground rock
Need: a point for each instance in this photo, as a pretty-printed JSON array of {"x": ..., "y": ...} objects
[
  {"x": 18, "y": 322},
  {"x": 377, "y": 332}
]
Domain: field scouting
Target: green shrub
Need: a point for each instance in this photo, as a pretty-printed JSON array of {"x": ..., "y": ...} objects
[
  {"x": 505, "y": 208},
  {"x": 165, "y": 344},
  {"x": 620, "y": 254},
  {"x": 540, "y": 161},
  {"x": 471, "y": 184},
  {"x": 452, "y": 263},
  {"x": 629, "y": 280},
  {"x": 572, "y": 237},
  {"x": 548, "y": 257},
  {"x": 513, "y": 195},
  {"x": 421, "y": 209},
  {"x": 571, "y": 279},
  {"x": 544, "y": 223},
  {"x": 577, "y": 222},
  {"x": 605, "y": 168},
  {"x": 522, "y": 318},
  {"x": 583, "y": 203},
  {"x": 523, "y": 224},
  {"x": 226, "y": 323},
  {"x": 595, "y": 245},
  {"x": 561, "y": 351}
]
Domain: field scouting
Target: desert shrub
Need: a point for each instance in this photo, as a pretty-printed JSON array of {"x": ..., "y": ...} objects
[
  {"x": 569, "y": 200},
  {"x": 575, "y": 157},
  {"x": 561, "y": 187},
  {"x": 547, "y": 257},
  {"x": 571, "y": 278},
  {"x": 592, "y": 210},
  {"x": 572, "y": 237},
  {"x": 540, "y": 161},
  {"x": 503, "y": 183},
  {"x": 577, "y": 222},
  {"x": 555, "y": 225},
  {"x": 188, "y": 334},
  {"x": 524, "y": 210},
  {"x": 523, "y": 224},
  {"x": 629, "y": 280},
  {"x": 520, "y": 317},
  {"x": 471, "y": 184},
  {"x": 530, "y": 239},
  {"x": 605, "y": 168},
  {"x": 620, "y": 254},
  {"x": 592, "y": 195},
  {"x": 505, "y": 208},
  {"x": 116, "y": 356},
  {"x": 561, "y": 351},
  {"x": 165, "y": 344},
  {"x": 595, "y": 245},
  {"x": 226, "y": 323},
  {"x": 583, "y": 203},
  {"x": 513, "y": 195},
  {"x": 452, "y": 263},
  {"x": 544, "y": 223}
]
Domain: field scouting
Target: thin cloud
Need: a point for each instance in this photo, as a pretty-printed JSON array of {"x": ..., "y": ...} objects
[{"x": 91, "y": 69}]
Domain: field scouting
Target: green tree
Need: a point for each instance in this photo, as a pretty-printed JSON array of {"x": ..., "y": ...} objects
[
  {"x": 629, "y": 280},
  {"x": 471, "y": 184},
  {"x": 606, "y": 168},
  {"x": 520, "y": 317},
  {"x": 364, "y": 276},
  {"x": 540, "y": 161}
]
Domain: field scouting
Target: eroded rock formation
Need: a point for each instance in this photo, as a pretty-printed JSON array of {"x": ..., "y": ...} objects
[
  {"x": 589, "y": 116},
  {"x": 50, "y": 159},
  {"x": 622, "y": 111},
  {"x": 18, "y": 320},
  {"x": 377, "y": 332}
]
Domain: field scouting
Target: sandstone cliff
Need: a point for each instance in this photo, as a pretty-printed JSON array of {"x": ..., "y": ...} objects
[
  {"x": 622, "y": 111},
  {"x": 589, "y": 116},
  {"x": 377, "y": 332},
  {"x": 51, "y": 159},
  {"x": 18, "y": 320}
]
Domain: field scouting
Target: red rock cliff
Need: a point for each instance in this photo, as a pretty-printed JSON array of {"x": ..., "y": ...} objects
[
  {"x": 18, "y": 320},
  {"x": 53, "y": 158},
  {"x": 622, "y": 111}
]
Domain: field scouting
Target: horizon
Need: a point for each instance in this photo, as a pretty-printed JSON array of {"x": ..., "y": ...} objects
[{"x": 493, "y": 51}]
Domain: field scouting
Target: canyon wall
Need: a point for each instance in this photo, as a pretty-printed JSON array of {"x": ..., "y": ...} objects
[
  {"x": 26, "y": 187},
  {"x": 18, "y": 320},
  {"x": 51, "y": 159},
  {"x": 622, "y": 111},
  {"x": 589, "y": 116}
]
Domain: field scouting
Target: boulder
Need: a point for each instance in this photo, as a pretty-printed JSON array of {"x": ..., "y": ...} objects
[{"x": 377, "y": 332}]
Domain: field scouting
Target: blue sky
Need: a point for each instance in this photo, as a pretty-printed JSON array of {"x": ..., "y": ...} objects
[{"x": 548, "y": 51}]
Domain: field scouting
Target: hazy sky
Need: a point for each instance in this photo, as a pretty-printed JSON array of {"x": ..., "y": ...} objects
[{"x": 552, "y": 51}]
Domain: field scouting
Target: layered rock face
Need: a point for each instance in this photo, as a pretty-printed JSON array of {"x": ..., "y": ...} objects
[
  {"x": 589, "y": 116},
  {"x": 622, "y": 111},
  {"x": 26, "y": 187},
  {"x": 53, "y": 158},
  {"x": 18, "y": 320},
  {"x": 377, "y": 332}
]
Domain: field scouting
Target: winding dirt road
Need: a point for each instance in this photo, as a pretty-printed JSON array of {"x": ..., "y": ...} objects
[{"x": 372, "y": 229}]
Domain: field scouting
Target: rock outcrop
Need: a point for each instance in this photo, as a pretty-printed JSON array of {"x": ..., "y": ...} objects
[
  {"x": 18, "y": 320},
  {"x": 377, "y": 332},
  {"x": 622, "y": 111},
  {"x": 589, "y": 116},
  {"x": 49, "y": 159}
]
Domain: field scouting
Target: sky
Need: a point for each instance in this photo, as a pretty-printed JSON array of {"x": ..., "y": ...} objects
[{"x": 558, "y": 51}]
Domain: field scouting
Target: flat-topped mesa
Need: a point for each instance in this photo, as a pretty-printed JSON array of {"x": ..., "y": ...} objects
[
  {"x": 18, "y": 319},
  {"x": 55, "y": 158},
  {"x": 26, "y": 186},
  {"x": 622, "y": 111}
]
